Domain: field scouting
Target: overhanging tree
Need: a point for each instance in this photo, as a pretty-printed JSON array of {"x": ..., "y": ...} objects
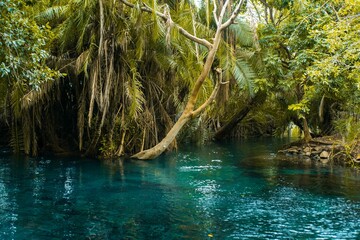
[{"x": 192, "y": 108}]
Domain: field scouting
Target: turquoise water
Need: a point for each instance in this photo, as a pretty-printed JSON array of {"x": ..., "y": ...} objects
[{"x": 229, "y": 191}]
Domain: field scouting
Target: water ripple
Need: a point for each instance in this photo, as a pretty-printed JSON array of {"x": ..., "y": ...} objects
[{"x": 198, "y": 168}]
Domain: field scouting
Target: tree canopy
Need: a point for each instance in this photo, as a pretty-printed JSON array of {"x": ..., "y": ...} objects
[{"x": 114, "y": 78}]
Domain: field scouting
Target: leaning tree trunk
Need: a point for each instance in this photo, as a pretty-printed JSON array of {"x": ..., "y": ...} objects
[
  {"x": 188, "y": 114},
  {"x": 165, "y": 142},
  {"x": 190, "y": 111},
  {"x": 258, "y": 99}
]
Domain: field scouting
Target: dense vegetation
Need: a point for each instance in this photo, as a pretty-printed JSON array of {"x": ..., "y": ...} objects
[{"x": 113, "y": 78}]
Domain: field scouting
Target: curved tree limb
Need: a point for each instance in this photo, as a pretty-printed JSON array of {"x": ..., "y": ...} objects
[
  {"x": 234, "y": 14},
  {"x": 212, "y": 97}
]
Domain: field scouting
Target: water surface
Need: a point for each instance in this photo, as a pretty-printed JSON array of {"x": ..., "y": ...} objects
[{"x": 234, "y": 190}]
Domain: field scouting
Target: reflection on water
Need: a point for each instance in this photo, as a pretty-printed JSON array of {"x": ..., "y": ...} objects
[{"x": 230, "y": 191}]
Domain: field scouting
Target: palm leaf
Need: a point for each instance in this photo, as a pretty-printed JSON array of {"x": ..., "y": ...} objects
[
  {"x": 3, "y": 92},
  {"x": 52, "y": 13},
  {"x": 17, "y": 138},
  {"x": 243, "y": 32},
  {"x": 135, "y": 95},
  {"x": 244, "y": 75},
  {"x": 82, "y": 62}
]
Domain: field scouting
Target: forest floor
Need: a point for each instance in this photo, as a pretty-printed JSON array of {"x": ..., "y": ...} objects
[{"x": 327, "y": 149}]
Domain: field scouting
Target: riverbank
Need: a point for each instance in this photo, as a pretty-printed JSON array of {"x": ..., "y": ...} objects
[{"x": 328, "y": 149}]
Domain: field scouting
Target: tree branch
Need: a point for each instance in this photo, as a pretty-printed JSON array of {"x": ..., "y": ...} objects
[
  {"x": 165, "y": 18},
  {"x": 223, "y": 10},
  {"x": 234, "y": 14},
  {"x": 212, "y": 96},
  {"x": 215, "y": 16}
]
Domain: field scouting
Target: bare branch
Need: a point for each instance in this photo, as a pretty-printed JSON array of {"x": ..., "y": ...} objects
[
  {"x": 194, "y": 30},
  {"x": 201, "y": 41},
  {"x": 215, "y": 16},
  {"x": 165, "y": 18},
  {"x": 223, "y": 10},
  {"x": 234, "y": 14}
]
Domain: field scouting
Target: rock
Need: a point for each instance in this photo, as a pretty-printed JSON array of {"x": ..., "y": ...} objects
[
  {"x": 293, "y": 150},
  {"x": 318, "y": 148},
  {"x": 324, "y": 155},
  {"x": 315, "y": 153},
  {"x": 307, "y": 149},
  {"x": 328, "y": 149}
]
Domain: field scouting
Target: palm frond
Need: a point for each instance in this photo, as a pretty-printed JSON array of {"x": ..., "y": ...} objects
[
  {"x": 243, "y": 32},
  {"x": 93, "y": 90},
  {"x": 17, "y": 138},
  {"x": 26, "y": 123},
  {"x": 244, "y": 75},
  {"x": 52, "y": 13},
  {"x": 82, "y": 25},
  {"x": 16, "y": 96},
  {"x": 82, "y": 61},
  {"x": 135, "y": 95},
  {"x": 34, "y": 97},
  {"x": 3, "y": 92},
  {"x": 81, "y": 119}
]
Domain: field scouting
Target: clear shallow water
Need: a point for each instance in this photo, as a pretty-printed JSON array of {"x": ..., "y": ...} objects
[{"x": 230, "y": 191}]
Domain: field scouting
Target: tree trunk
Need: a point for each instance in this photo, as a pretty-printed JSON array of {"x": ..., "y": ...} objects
[
  {"x": 163, "y": 145},
  {"x": 307, "y": 135},
  {"x": 239, "y": 116}
]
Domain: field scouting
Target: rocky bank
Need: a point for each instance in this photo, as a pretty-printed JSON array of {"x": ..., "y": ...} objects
[{"x": 329, "y": 149}]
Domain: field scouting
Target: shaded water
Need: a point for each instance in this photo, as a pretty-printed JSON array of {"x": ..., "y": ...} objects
[{"x": 230, "y": 191}]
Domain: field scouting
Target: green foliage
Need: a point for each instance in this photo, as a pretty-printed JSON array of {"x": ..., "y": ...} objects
[
  {"x": 23, "y": 48},
  {"x": 313, "y": 52},
  {"x": 130, "y": 73},
  {"x": 348, "y": 128},
  {"x": 337, "y": 70}
]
